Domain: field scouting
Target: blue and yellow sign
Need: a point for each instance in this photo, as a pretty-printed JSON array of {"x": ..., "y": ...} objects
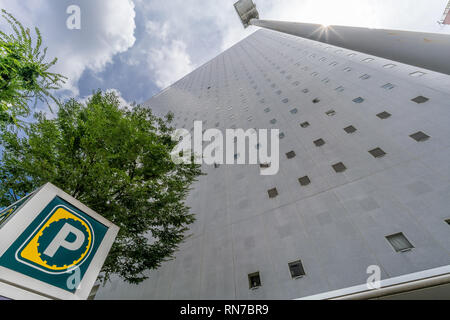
[{"x": 60, "y": 239}]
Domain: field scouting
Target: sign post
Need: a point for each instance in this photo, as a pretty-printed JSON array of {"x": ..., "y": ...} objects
[{"x": 52, "y": 246}]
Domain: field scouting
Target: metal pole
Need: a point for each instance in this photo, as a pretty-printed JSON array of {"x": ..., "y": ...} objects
[{"x": 430, "y": 51}]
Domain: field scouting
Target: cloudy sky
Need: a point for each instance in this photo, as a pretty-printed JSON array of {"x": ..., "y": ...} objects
[{"x": 139, "y": 47}]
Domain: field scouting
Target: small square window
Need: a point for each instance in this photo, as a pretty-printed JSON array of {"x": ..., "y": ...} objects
[
  {"x": 420, "y": 136},
  {"x": 420, "y": 99},
  {"x": 267, "y": 110},
  {"x": 316, "y": 100},
  {"x": 273, "y": 193},
  {"x": 399, "y": 242},
  {"x": 305, "y": 125},
  {"x": 305, "y": 90},
  {"x": 273, "y": 121},
  {"x": 388, "y": 86},
  {"x": 216, "y": 165},
  {"x": 339, "y": 89},
  {"x": 384, "y": 115},
  {"x": 254, "y": 280},
  {"x": 304, "y": 181},
  {"x": 296, "y": 269},
  {"x": 294, "y": 111},
  {"x": 282, "y": 135},
  {"x": 358, "y": 100},
  {"x": 348, "y": 69},
  {"x": 319, "y": 142},
  {"x": 350, "y": 129},
  {"x": 389, "y": 66},
  {"x": 285, "y": 100},
  {"x": 330, "y": 113},
  {"x": 417, "y": 74},
  {"x": 365, "y": 77},
  {"x": 264, "y": 165},
  {"x": 368, "y": 60},
  {"x": 377, "y": 153},
  {"x": 339, "y": 167},
  {"x": 290, "y": 154}
]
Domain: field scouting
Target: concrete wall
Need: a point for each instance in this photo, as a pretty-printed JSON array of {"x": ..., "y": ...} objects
[{"x": 337, "y": 225}]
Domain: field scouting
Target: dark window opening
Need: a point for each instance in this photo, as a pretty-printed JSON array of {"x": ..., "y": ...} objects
[
  {"x": 377, "y": 153},
  {"x": 319, "y": 142},
  {"x": 304, "y": 181},
  {"x": 384, "y": 115},
  {"x": 339, "y": 167},
  {"x": 305, "y": 125},
  {"x": 420, "y": 136},
  {"x": 273, "y": 193},
  {"x": 420, "y": 99},
  {"x": 290, "y": 154},
  {"x": 350, "y": 129},
  {"x": 296, "y": 269},
  {"x": 399, "y": 242},
  {"x": 254, "y": 280}
]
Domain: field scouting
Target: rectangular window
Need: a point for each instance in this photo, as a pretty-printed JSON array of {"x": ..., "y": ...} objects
[
  {"x": 339, "y": 167},
  {"x": 254, "y": 280},
  {"x": 388, "y": 86},
  {"x": 384, "y": 115},
  {"x": 305, "y": 125},
  {"x": 273, "y": 193},
  {"x": 417, "y": 74},
  {"x": 368, "y": 60},
  {"x": 330, "y": 113},
  {"x": 420, "y": 136},
  {"x": 389, "y": 66},
  {"x": 296, "y": 269},
  {"x": 350, "y": 129},
  {"x": 420, "y": 99},
  {"x": 377, "y": 153},
  {"x": 399, "y": 242},
  {"x": 290, "y": 154},
  {"x": 294, "y": 111},
  {"x": 304, "y": 181},
  {"x": 319, "y": 142},
  {"x": 365, "y": 77},
  {"x": 358, "y": 100}
]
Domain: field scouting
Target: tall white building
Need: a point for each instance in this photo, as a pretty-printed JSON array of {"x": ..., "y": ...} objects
[{"x": 364, "y": 176}]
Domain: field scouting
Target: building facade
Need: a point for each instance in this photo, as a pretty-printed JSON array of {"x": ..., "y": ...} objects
[{"x": 364, "y": 175}]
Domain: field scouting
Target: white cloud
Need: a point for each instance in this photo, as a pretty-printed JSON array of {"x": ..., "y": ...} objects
[{"x": 107, "y": 28}]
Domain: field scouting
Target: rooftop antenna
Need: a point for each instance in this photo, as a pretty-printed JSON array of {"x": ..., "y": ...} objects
[{"x": 429, "y": 51}]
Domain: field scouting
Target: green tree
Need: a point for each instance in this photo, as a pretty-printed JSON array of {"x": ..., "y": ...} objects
[
  {"x": 116, "y": 161},
  {"x": 24, "y": 74}
]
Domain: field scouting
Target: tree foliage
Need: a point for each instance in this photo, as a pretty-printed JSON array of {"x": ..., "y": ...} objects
[
  {"x": 117, "y": 162},
  {"x": 24, "y": 74}
]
